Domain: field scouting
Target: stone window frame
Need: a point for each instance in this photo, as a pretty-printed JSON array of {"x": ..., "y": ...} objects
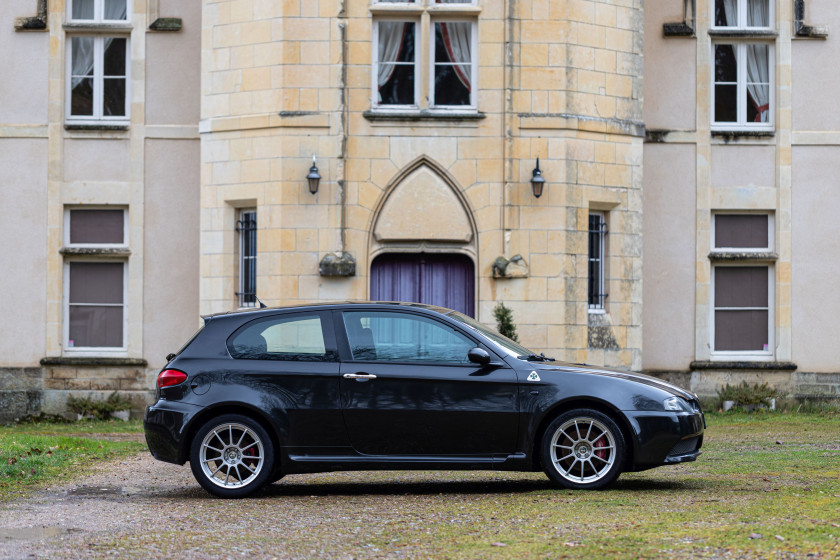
[
  {"x": 94, "y": 252},
  {"x": 720, "y": 253},
  {"x": 100, "y": 29},
  {"x": 72, "y": 247},
  {"x": 424, "y": 13},
  {"x": 764, "y": 257},
  {"x": 243, "y": 259},
  {"x": 601, "y": 305}
]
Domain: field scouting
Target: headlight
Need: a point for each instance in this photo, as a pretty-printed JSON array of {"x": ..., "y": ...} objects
[{"x": 676, "y": 404}]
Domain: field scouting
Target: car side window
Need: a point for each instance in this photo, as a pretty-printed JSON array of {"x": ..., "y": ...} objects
[
  {"x": 299, "y": 337},
  {"x": 404, "y": 337}
]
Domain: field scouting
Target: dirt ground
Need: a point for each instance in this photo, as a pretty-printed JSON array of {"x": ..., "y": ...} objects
[
  {"x": 764, "y": 488},
  {"x": 142, "y": 508}
]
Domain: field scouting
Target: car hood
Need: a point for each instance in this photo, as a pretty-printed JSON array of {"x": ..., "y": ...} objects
[{"x": 626, "y": 375}]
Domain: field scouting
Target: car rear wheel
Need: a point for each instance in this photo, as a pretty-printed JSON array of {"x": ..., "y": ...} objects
[
  {"x": 232, "y": 456},
  {"x": 582, "y": 449}
]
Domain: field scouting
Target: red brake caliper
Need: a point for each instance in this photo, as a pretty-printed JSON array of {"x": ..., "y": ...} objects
[{"x": 601, "y": 453}]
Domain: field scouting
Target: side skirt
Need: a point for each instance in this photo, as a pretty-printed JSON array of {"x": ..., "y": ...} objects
[{"x": 308, "y": 463}]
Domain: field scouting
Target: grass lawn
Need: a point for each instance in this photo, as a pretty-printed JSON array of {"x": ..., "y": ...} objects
[
  {"x": 767, "y": 485},
  {"x": 37, "y": 454}
]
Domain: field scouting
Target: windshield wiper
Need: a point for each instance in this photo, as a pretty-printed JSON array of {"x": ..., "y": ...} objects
[{"x": 536, "y": 358}]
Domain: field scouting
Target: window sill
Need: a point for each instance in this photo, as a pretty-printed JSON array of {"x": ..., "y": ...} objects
[
  {"x": 730, "y": 134},
  {"x": 744, "y": 33},
  {"x": 93, "y": 361},
  {"x": 96, "y": 251},
  {"x": 385, "y": 8},
  {"x": 739, "y": 364},
  {"x": 424, "y": 115},
  {"x": 99, "y": 27},
  {"x": 724, "y": 256},
  {"x": 97, "y": 126}
]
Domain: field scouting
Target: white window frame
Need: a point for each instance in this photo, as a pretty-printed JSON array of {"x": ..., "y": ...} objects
[
  {"x": 66, "y": 237},
  {"x": 97, "y": 117},
  {"x": 374, "y": 78},
  {"x": 421, "y": 3},
  {"x": 421, "y": 13},
  {"x": 742, "y": 17},
  {"x": 241, "y": 261},
  {"x": 602, "y": 265},
  {"x": 92, "y": 350},
  {"x": 473, "y": 65},
  {"x": 746, "y": 355},
  {"x": 771, "y": 228},
  {"x": 741, "y": 96},
  {"x": 99, "y": 13}
]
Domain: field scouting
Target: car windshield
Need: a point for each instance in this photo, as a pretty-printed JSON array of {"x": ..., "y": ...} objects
[{"x": 511, "y": 347}]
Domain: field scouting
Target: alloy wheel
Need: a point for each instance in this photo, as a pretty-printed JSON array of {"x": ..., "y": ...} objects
[
  {"x": 231, "y": 455},
  {"x": 583, "y": 450}
]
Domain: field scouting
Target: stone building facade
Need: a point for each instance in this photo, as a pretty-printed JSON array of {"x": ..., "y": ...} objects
[
  {"x": 99, "y": 152},
  {"x": 170, "y": 148},
  {"x": 420, "y": 172},
  {"x": 740, "y": 164}
]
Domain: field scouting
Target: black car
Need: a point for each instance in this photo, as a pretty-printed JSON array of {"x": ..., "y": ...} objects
[{"x": 260, "y": 394}]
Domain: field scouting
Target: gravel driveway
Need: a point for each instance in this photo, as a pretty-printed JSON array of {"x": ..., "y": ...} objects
[{"x": 142, "y": 508}]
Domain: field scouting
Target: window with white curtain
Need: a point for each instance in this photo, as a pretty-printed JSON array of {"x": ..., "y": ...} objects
[
  {"x": 411, "y": 71},
  {"x": 97, "y": 60},
  {"x": 89, "y": 11},
  {"x": 743, "y": 14},
  {"x": 742, "y": 92}
]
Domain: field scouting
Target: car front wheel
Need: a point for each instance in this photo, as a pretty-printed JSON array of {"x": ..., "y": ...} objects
[
  {"x": 582, "y": 449},
  {"x": 232, "y": 456}
]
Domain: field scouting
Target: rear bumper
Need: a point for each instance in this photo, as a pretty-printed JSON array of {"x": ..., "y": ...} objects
[
  {"x": 165, "y": 425},
  {"x": 665, "y": 437}
]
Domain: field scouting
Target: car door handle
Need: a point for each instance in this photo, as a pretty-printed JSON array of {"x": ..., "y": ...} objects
[{"x": 359, "y": 376}]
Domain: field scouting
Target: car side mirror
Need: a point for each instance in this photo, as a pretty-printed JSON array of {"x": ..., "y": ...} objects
[{"x": 479, "y": 356}]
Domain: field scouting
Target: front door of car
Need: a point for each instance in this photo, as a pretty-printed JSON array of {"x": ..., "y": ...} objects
[{"x": 409, "y": 389}]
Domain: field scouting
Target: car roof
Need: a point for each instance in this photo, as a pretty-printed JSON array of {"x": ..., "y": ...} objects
[{"x": 320, "y": 306}]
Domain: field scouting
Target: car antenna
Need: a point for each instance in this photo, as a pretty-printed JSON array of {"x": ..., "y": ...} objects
[{"x": 262, "y": 305}]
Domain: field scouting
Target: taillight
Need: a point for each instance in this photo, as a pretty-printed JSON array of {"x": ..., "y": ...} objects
[{"x": 170, "y": 377}]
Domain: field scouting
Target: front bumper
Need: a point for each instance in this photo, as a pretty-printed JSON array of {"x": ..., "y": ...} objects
[
  {"x": 165, "y": 424},
  {"x": 665, "y": 437}
]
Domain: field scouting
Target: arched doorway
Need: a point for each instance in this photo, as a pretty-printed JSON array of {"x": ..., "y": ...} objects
[{"x": 443, "y": 279}]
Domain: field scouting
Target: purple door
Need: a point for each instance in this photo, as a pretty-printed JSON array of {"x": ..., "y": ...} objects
[{"x": 444, "y": 280}]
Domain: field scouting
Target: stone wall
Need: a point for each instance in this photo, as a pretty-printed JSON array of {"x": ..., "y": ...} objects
[
  {"x": 35, "y": 390},
  {"x": 796, "y": 385},
  {"x": 283, "y": 81}
]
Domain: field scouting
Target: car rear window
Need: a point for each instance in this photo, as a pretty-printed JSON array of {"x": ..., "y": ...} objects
[{"x": 299, "y": 337}]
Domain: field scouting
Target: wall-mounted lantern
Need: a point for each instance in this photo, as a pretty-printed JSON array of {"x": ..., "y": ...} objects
[
  {"x": 537, "y": 180},
  {"x": 314, "y": 177}
]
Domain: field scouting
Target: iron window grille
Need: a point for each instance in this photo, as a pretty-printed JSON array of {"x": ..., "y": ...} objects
[
  {"x": 597, "y": 243},
  {"x": 246, "y": 227}
]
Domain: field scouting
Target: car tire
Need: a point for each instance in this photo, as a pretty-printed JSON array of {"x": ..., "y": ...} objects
[
  {"x": 582, "y": 449},
  {"x": 232, "y": 456}
]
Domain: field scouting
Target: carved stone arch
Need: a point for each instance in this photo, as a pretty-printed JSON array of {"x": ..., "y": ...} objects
[{"x": 423, "y": 203}]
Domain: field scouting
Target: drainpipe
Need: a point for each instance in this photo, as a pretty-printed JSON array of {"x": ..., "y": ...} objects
[{"x": 508, "y": 121}]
